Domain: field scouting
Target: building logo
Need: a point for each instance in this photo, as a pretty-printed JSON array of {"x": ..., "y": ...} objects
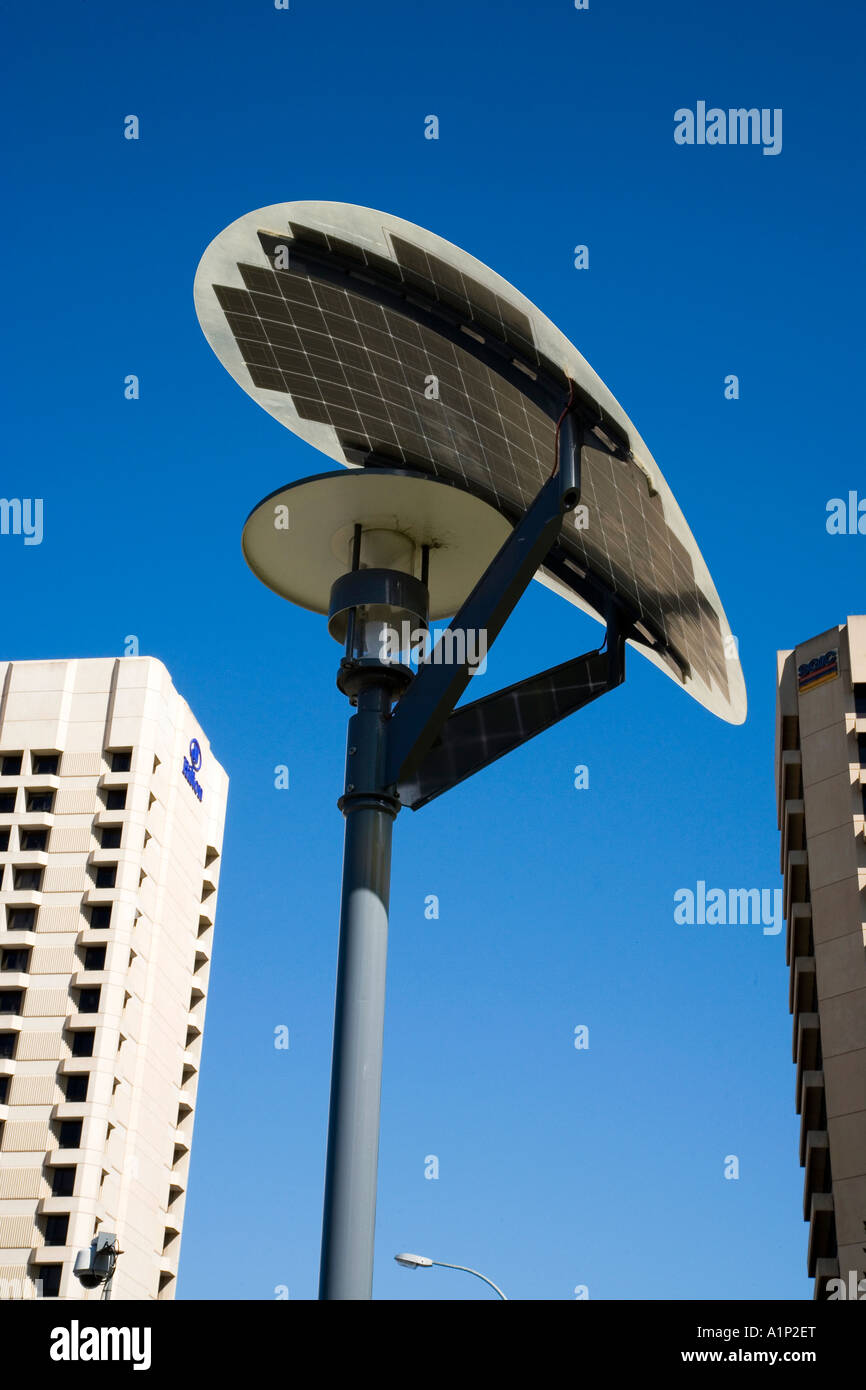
[
  {"x": 192, "y": 765},
  {"x": 817, "y": 671}
]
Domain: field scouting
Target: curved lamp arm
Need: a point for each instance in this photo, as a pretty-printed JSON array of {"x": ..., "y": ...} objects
[{"x": 467, "y": 1270}]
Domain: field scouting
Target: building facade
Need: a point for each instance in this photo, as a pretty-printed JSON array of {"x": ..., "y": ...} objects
[
  {"x": 111, "y": 823},
  {"x": 821, "y": 794}
]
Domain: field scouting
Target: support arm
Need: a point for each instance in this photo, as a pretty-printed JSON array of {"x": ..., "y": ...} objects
[
  {"x": 478, "y": 734},
  {"x": 430, "y": 699}
]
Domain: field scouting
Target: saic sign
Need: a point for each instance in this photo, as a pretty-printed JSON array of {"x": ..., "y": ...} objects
[
  {"x": 818, "y": 670},
  {"x": 191, "y": 766}
]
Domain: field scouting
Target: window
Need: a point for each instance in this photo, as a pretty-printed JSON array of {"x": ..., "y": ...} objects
[
  {"x": 62, "y": 1181},
  {"x": 33, "y": 839},
  {"x": 110, "y": 837},
  {"x": 55, "y": 1228},
  {"x": 15, "y": 959},
  {"x": 860, "y": 699},
  {"x": 11, "y": 765},
  {"x": 10, "y": 1001},
  {"x": 116, "y": 799},
  {"x": 27, "y": 880},
  {"x": 4, "y": 838},
  {"x": 70, "y": 1134},
  {"x": 7, "y": 802},
  {"x": 106, "y": 875},
  {"x": 40, "y": 801},
  {"x": 4, "y": 1089},
  {"x": 121, "y": 761},
  {"x": 7, "y": 1045},
  {"x": 45, "y": 764},
  {"x": 49, "y": 1277},
  {"x": 82, "y": 1043},
  {"x": 21, "y": 918},
  {"x": 88, "y": 1001},
  {"x": 76, "y": 1092},
  {"x": 100, "y": 917},
  {"x": 861, "y": 745},
  {"x": 94, "y": 958}
]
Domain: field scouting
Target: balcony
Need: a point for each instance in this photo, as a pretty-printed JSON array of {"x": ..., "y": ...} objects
[
  {"x": 822, "y": 1231},
  {"x": 54, "y": 1206},
  {"x": 811, "y": 1107},
  {"x": 89, "y": 979},
  {"x": 40, "y": 820},
  {"x": 88, "y": 1064},
  {"x": 807, "y": 1046},
  {"x": 52, "y": 1254},
  {"x": 23, "y": 897},
  {"x": 803, "y": 987},
  {"x": 13, "y": 979},
  {"x": 796, "y": 879},
  {"x": 95, "y": 936},
  {"x": 817, "y": 1178},
  {"x": 71, "y": 1110},
  {"x": 188, "y": 1072},
  {"x": 62, "y": 1158},
  {"x": 790, "y": 776},
  {"x": 85, "y": 1023},
  {"x": 93, "y": 896},
  {"x": 799, "y": 931},
  {"x": 115, "y": 779},
  {"x": 793, "y": 830},
  {"x": 18, "y": 938},
  {"x": 28, "y": 858}
]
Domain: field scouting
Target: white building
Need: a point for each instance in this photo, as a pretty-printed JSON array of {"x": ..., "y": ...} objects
[{"x": 111, "y": 824}]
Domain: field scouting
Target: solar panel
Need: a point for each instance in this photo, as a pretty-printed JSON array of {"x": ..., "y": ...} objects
[{"x": 380, "y": 343}]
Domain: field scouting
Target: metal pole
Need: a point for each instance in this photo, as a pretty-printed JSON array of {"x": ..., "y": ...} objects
[{"x": 349, "y": 1220}]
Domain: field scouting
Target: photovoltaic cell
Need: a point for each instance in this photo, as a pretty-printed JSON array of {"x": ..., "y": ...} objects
[{"x": 410, "y": 358}]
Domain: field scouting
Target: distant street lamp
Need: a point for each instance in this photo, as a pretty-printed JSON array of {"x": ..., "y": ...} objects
[{"x": 422, "y": 1262}]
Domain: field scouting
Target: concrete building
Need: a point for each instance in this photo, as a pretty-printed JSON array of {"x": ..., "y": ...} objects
[
  {"x": 821, "y": 792},
  {"x": 111, "y": 823}
]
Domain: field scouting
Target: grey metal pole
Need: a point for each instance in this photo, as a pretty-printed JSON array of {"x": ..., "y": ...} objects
[{"x": 349, "y": 1220}]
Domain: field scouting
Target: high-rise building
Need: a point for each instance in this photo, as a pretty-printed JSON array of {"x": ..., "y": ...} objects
[
  {"x": 821, "y": 792},
  {"x": 111, "y": 823}
]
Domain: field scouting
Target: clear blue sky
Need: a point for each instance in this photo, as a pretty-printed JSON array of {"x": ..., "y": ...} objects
[{"x": 557, "y": 1167}]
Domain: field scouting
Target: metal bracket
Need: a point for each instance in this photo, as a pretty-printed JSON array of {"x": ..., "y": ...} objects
[{"x": 432, "y": 746}]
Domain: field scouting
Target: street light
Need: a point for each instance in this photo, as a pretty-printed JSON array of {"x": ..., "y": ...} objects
[
  {"x": 336, "y": 319},
  {"x": 422, "y": 1262}
]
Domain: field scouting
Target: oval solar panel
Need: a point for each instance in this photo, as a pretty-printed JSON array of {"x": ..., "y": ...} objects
[{"x": 380, "y": 343}]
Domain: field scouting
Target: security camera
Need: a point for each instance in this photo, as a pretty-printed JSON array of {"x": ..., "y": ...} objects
[
  {"x": 84, "y": 1271},
  {"x": 95, "y": 1266}
]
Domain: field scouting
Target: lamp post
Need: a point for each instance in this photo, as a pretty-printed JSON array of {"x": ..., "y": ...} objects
[{"x": 422, "y": 1262}]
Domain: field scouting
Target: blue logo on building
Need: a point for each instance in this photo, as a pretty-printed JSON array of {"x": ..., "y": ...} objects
[{"x": 191, "y": 766}]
